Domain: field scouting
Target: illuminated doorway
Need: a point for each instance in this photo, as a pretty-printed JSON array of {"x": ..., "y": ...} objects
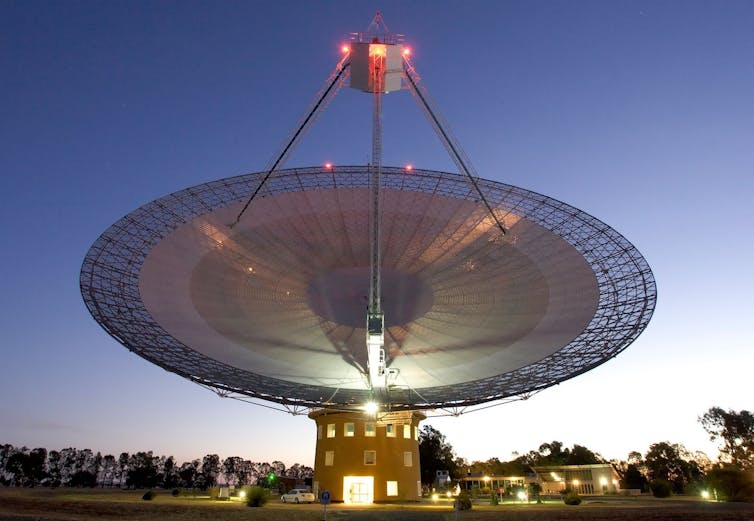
[{"x": 358, "y": 490}]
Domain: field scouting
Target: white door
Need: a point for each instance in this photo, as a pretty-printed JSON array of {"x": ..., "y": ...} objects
[{"x": 358, "y": 490}]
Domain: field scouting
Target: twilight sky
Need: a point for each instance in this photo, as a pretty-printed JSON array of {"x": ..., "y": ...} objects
[{"x": 640, "y": 113}]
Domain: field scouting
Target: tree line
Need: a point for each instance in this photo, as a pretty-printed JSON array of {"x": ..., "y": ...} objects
[
  {"x": 71, "y": 467},
  {"x": 664, "y": 464}
]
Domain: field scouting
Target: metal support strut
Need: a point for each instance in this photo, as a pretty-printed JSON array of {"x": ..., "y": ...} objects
[
  {"x": 442, "y": 130},
  {"x": 324, "y": 96}
]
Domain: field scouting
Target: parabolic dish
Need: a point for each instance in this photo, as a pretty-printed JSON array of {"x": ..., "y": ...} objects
[{"x": 275, "y": 307}]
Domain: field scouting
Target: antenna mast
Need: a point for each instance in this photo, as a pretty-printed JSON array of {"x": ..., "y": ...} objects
[{"x": 377, "y": 66}]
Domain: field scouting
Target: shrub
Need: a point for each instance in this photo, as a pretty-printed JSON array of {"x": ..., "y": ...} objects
[
  {"x": 176, "y": 492},
  {"x": 732, "y": 484},
  {"x": 256, "y": 496},
  {"x": 660, "y": 488},
  {"x": 494, "y": 499},
  {"x": 463, "y": 501},
  {"x": 148, "y": 495},
  {"x": 572, "y": 498}
]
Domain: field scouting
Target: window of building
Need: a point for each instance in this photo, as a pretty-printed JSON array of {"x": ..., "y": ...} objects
[
  {"x": 329, "y": 458},
  {"x": 348, "y": 430},
  {"x": 408, "y": 459},
  {"x": 392, "y": 488},
  {"x": 370, "y": 430},
  {"x": 319, "y": 432},
  {"x": 407, "y": 432},
  {"x": 416, "y": 433},
  {"x": 330, "y": 430},
  {"x": 370, "y": 457},
  {"x": 390, "y": 430}
]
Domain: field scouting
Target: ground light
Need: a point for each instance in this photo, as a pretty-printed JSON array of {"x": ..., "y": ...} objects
[
  {"x": 522, "y": 495},
  {"x": 705, "y": 494}
]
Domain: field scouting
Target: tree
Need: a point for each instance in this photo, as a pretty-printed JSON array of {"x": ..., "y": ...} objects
[
  {"x": 188, "y": 473},
  {"x": 552, "y": 454},
  {"x": 210, "y": 469},
  {"x": 170, "y": 478},
  {"x": 672, "y": 463},
  {"x": 142, "y": 472},
  {"x": 244, "y": 471},
  {"x": 16, "y": 465},
  {"x": 123, "y": 460},
  {"x": 53, "y": 468},
  {"x": 579, "y": 455},
  {"x": 35, "y": 470},
  {"x": 109, "y": 470},
  {"x": 435, "y": 453},
  {"x": 736, "y": 430}
]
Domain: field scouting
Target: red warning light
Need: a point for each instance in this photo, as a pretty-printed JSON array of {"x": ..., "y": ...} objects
[
  {"x": 409, "y": 168},
  {"x": 345, "y": 49},
  {"x": 328, "y": 166},
  {"x": 406, "y": 51}
]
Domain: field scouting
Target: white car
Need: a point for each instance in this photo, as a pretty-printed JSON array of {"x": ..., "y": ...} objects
[{"x": 298, "y": 495}]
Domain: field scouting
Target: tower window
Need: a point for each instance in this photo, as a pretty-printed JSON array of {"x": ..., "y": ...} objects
[
  {"x": 329, "y": 458},
  {"x": 370, "y": 457},
  {"x": 370, "y": 430},
  {"x": 348, "y": 430},
  {"x": 408, "y": 459},
  {"x": 330, "y": 430}
]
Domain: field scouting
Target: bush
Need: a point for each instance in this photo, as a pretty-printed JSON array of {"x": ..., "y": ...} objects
[
  {"x": 732, "y": 484},
  {"x": 494, "y": 499},
  {"x": 176, "y": 492},
  {"x": 572, "y": 498},
  {"x": 660, "y": 488},
  {"x": 149, "y": 495},
  {"x": 463, "y": 501},
  {"x": 257, "y": 496}
]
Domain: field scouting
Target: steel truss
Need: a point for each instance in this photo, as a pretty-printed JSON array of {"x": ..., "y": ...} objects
[{"x": 110, "y": 287}]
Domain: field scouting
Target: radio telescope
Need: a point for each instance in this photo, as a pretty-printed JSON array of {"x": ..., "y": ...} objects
[{"x": 339, "y": 287}]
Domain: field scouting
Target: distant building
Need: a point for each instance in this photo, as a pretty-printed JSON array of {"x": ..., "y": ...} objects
[
  {"x": 442, "y": 479},
  {"x": 594, "y": 479},
  {"x": 601, "y": 478}
]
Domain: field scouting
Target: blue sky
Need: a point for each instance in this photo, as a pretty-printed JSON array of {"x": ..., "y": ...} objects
[{"x": 639, "y": 113}]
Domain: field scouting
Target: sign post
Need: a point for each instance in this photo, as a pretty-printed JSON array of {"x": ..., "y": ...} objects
[{"x": 324, "y": 498}]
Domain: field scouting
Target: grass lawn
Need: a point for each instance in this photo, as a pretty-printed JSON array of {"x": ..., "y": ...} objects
[{"x": 89, "y": 504}]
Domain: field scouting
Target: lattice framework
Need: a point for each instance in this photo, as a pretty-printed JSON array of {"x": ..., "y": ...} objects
[{"x": 110, "y": 287}]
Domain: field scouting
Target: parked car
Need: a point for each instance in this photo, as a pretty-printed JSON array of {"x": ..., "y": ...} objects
[{"x": 298, "y": 495}]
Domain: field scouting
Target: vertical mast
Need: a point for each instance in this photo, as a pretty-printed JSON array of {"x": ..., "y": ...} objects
[
  {"x": 376, "y": 60},
  {"x": 375, "y": 317}
]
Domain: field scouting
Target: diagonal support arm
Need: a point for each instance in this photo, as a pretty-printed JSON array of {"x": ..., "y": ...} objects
[
  {"x": 331, "y": 87},
  {"x": 451, "y": 144}
]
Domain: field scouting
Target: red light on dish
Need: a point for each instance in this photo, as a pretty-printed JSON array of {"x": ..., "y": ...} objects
[
  {"x": 409, "y": 168},
  {"x": 345, "y": 49},
  {"x": 406, "y": 51},
  {"x": 328, "y": 166}
]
